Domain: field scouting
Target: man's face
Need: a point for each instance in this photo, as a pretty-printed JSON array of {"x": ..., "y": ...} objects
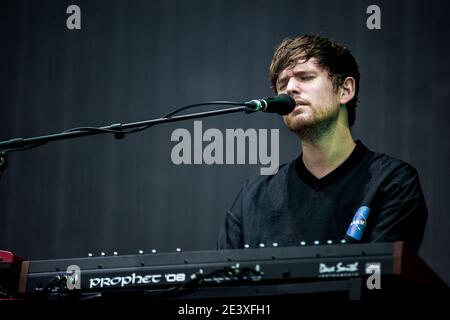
[{"x": 317, "y": 101}]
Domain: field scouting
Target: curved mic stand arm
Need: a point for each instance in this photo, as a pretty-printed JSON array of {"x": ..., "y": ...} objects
[{"x": 19, "y": 144}]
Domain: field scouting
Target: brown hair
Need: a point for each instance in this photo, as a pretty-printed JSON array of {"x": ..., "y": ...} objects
[{"x": 331, "y": 56}]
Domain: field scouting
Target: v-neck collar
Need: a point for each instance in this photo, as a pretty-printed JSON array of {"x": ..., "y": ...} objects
[{"x": 304, "y": 174}]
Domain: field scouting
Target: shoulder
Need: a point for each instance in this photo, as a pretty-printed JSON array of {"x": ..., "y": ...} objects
[
  {"x": 390, "y": 171},
  {"x": 383, "y": 163},
  {"x": 259, "y": 191}
]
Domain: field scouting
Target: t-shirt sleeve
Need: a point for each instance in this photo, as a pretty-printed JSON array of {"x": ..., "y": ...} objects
[
  {"x": 401, "y": 213},
  {"x": 230, "y": 234}
]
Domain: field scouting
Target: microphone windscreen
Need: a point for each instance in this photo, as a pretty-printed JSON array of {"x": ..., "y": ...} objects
[{"x": 282, "y": 104}]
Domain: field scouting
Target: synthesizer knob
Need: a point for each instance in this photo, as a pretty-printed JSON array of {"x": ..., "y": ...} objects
[
  {"x": 194, "y": 276},
  {"x": 316, "y": 242},
  {"x": 302, "y": 243},
  {"x": 329, "y": 242},
  {"x": 246, "y": 246},
  {"x": 141, "y": 251}
]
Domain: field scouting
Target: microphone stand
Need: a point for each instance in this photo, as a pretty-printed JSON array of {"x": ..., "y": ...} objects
[{"x": 19, "y": 144}]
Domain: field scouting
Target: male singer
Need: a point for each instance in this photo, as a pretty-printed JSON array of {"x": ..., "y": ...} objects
[{"x": 337, "y": 188}]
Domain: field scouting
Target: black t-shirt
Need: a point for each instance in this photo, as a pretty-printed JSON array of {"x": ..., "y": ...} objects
[{"x": 294, "y": 206}]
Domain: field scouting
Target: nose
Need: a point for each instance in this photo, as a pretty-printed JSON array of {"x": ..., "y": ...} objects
[{"x": 292, "y": 87}]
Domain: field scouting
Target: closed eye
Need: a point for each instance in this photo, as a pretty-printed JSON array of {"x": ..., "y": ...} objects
[{"x": 281, "y": 86}]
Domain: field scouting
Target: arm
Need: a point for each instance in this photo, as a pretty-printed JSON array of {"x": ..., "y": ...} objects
[
  {"x": 401, "y": 212},
  {"x": 231, "y": 234}
]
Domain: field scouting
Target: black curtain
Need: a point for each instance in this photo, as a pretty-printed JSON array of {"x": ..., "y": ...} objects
[{"x": 136, "y": 60}]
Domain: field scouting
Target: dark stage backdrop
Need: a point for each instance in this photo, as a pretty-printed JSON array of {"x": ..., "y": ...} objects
[{"x": 136, "y": 60}]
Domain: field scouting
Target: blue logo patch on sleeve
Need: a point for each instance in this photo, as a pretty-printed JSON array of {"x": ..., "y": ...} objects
[{"x": 358, "y": 224}]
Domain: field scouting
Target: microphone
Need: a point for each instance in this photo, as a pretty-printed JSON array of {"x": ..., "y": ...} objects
[{"x": 282, "y": 104}]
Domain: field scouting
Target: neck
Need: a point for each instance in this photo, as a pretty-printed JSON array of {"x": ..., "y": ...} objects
[{"x": 322, "y": 153}]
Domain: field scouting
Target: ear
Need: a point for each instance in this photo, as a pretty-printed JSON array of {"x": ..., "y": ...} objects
[{"x": 347, "y": 90}]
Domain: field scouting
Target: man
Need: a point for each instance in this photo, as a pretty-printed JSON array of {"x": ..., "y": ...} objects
[{"x": 337, "y": 188}]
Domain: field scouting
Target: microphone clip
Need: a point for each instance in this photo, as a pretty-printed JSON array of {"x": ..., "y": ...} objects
[{"x": 257, "y": 105}]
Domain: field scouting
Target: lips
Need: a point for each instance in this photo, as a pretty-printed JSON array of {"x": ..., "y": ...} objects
[
  {"x": 298, "y": 105},
  {"x": 301, "y": 102}
]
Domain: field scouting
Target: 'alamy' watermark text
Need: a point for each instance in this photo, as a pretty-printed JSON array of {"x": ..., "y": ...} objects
[{"x": 236, "y": 142}]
